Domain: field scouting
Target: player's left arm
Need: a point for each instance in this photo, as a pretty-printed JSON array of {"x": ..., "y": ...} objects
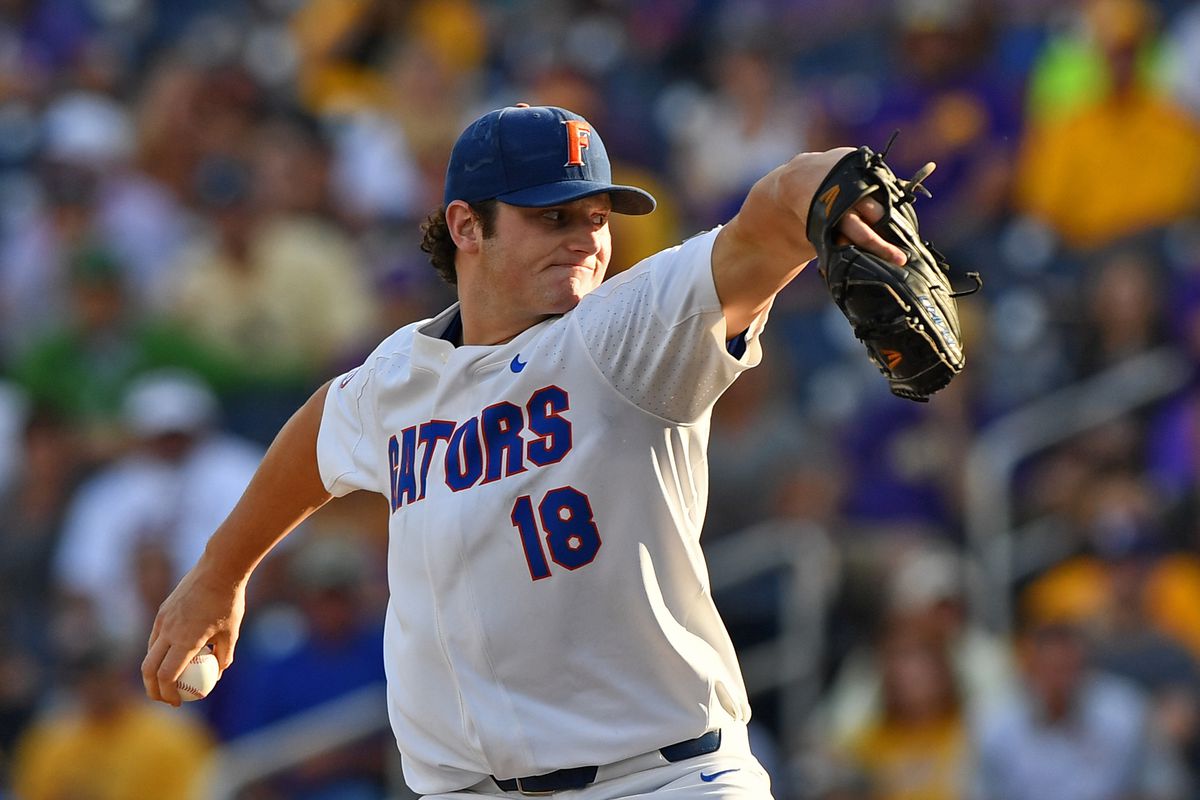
[{"x": 765, "y": 246}]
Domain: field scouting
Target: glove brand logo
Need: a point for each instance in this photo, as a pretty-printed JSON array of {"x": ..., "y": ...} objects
[
  {"x": 578, "y": 138},
  {"x": 893, "y": 357},
  {"x": 829, "y": 197},
  {"x": 937, "y": 320}
]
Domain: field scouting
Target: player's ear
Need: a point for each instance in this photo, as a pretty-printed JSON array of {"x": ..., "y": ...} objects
[{"x": 464, "y": 225}]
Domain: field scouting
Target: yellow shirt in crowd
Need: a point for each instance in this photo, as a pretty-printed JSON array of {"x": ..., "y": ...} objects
[
  {"x": 143, "y": 752},
  {"x": 925, "y": 761},
  {"x": 1117, "y": 167}
]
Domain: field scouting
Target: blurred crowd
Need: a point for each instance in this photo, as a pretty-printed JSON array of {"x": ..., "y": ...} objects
[{"x": 209, "y": 207}]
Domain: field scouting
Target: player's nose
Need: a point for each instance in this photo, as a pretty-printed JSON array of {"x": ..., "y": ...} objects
[{"x": 586, "y": 239}]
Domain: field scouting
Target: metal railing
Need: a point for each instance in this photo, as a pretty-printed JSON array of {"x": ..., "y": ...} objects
[
  {"x": 791, "y": 663},
  {"x": 1006, "y": 443},
  {"x": 249, "y": 759}
]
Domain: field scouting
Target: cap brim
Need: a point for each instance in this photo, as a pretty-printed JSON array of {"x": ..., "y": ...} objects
[{"x": 625, "y": 199}]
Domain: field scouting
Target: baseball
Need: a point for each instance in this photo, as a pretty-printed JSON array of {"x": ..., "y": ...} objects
[{"x": 198, "y": 677}]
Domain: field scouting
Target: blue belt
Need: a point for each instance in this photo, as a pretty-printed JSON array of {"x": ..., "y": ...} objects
[{"x": 579, "y": 777}]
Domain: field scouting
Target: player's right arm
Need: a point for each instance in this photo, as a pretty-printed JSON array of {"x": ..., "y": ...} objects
[{"x": 208, "y": 604}]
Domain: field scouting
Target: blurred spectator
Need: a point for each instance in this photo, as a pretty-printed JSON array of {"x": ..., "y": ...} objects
[
  {"x": 393, "y": 79},
  {"x": 1073, "y": 70},
  {"x": 90, "y": 192},
  {"x": 1071, "y": 172},
  {"x": 917, "y": 749},
  {"x": 1128, "y": 644},
  {"x": 339, "y": 649},
  {"x": 189, "y": 112},
  {"x": 281, "y": 293},
  {"x": 1123, "y": 308},
  {"x": 107, "y": 741},
  {"x": 926, "y": 590},
  {"x": 1117, "y": 511},
  {"x": 30, "y": 528},
  {"x": 750, "y": 123},
  {"x": 84, "y": 367},
  {"x": 390, "y": 155},
  {"x": 345, "y": 45},
  {"x": 1071, "y": 733},
  {"x": 135, "y": 527},
  {"x": 135, "y": 217},
  {"x": 951, "y": 105},
  {"x": 32, "y": 280}
]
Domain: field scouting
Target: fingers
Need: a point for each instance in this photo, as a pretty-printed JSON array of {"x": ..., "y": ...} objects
[
  {"x": 155, "y": 651},
  {"x": 869, "y": 209},
  {"x": 162, "y": 667},
  {"x": 860, "y": 233},
  {"x": 223, "y": 646},
  {"x": 170, "y": 669}
]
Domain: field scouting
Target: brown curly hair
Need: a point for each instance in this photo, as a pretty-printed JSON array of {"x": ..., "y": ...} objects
[{"x": 439, "y": 244}]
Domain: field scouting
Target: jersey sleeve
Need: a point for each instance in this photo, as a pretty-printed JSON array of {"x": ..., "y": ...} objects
[
  {"x": 657, "y": 333},
  {"x": 349, "y": 454}
]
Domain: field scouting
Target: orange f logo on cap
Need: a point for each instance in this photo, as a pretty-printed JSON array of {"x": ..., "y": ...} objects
[{"x": 578, "y": 135}]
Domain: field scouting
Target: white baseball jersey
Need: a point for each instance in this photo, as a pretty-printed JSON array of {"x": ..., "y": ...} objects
[{"x": 550, "y": 605}]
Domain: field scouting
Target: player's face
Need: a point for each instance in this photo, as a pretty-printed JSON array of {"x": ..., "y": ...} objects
[{"x": 542, "y": 261}]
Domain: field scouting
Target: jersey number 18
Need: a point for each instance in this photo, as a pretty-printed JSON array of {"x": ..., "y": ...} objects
[{"x": 570, "y": 533}]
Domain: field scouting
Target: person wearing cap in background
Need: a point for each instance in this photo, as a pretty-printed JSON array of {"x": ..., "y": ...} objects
[
  {"x": 541, "y": 445},
  {"x": 144, "y": 519},
  {"x": 926, "y": 589}
]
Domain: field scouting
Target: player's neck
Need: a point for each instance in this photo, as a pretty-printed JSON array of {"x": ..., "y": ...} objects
[{"x": 492, "y": 329}]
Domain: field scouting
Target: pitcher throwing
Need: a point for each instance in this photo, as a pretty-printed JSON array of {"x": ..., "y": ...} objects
[{"x": 541, "y": 444}]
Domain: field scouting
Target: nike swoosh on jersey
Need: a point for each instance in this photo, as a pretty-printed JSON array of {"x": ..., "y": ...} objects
[
  {"x": 709, "y": 778},
  {"x": 517, "y": 365}
]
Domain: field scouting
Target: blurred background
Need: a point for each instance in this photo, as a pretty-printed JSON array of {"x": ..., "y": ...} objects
[{"x": 209, "y": 207}]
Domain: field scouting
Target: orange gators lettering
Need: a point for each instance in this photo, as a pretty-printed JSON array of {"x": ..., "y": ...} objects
[
  {"x": 829, "y": 197},
  {"x": 578, "y": 136},
  {"x": 893, "y": 358}
]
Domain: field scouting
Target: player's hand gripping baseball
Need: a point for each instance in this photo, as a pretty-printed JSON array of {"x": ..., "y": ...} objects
[{"x": 205, "y": 608}]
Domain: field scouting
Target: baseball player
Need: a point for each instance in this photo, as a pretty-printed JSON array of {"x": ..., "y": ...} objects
[{"x": 541, "y": 444}]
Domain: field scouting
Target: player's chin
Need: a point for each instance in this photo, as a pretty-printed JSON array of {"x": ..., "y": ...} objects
[{"x": 566, "y": 295}]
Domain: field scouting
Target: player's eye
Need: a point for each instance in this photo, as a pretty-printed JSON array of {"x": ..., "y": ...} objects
[
  {"x": 599, "y": 218},
  {"x": 553, "y": 215}
]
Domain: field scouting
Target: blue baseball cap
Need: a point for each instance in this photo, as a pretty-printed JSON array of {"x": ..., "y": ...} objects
[{"x": 535, "y": 157}]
